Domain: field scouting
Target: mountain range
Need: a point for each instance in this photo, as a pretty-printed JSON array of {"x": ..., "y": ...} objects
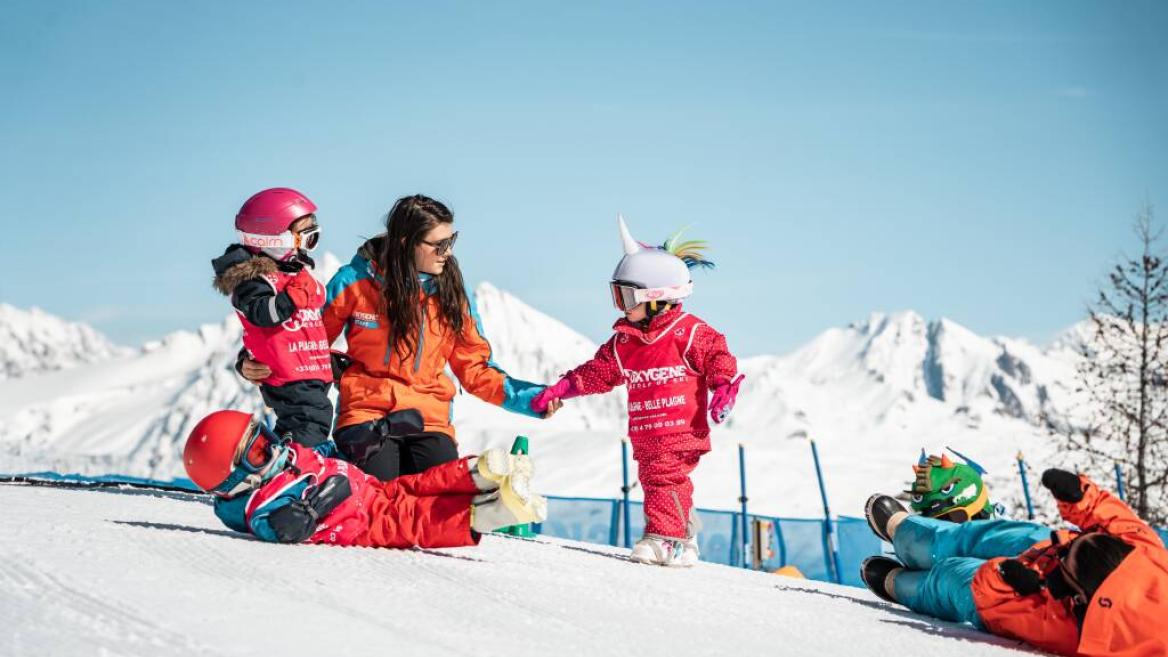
[{"x": 871, "y": 395}]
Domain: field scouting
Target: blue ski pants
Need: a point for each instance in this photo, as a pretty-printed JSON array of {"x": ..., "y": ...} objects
[{"x": 941, "y": 558}]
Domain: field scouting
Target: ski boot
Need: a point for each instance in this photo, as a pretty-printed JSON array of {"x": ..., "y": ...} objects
[
  {"x": 494, "y": 465},
  {"x": 665, "y": 551},
  {"x": 509, "y": 500},
  {"x": 884, "y": 513},
  {"x": 876, "y": 571}
]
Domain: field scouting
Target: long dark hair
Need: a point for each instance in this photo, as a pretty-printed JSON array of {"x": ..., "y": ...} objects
[{"x": 406, "y": 225}]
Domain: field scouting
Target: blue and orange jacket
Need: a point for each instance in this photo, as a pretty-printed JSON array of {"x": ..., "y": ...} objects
[{"x": 381, "y": 379}]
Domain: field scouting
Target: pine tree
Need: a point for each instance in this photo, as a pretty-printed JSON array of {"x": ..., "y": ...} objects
[{"x": 1124, "y": 374}]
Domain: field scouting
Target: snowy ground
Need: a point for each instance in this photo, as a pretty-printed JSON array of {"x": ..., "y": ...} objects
[{"x": 140, "y": 573}]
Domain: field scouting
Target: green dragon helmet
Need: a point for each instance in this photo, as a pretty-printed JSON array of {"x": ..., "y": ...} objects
[{"x": 950, "y": 491}]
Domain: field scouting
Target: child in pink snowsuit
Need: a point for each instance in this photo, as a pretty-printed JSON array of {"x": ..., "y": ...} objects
[{"x": 669, "y": 360}]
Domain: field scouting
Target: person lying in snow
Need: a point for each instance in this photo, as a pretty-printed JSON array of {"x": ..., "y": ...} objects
[
  {"x": 283, "y": 492},
  {"x": 1099, "y": 590}
]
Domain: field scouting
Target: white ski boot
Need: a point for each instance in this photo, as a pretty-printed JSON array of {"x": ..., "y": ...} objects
[
  {"x": 496, "y": 464},
  {"x": 512, "y": 503},
  {"x": 666, "y": 551}
]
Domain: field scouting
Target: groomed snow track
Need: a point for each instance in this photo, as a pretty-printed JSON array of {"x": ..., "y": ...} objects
[{"x": 125, "y": 571}]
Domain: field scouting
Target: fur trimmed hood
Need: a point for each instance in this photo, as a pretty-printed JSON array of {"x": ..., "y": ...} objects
[{"x": 237, "y": 265}]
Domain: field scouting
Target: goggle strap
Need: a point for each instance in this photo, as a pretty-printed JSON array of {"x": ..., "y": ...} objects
[{"x": 306, "y": 240}]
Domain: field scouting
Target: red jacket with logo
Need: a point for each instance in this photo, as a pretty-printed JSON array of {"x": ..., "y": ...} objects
[
  {"x": 669, "y": 370},
  {"x": 292, "y": 341},
  {"x": 297, "y": 349}
]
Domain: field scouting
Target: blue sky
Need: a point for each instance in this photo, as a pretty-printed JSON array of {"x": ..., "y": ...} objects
[{"x": 979, "y": 161}]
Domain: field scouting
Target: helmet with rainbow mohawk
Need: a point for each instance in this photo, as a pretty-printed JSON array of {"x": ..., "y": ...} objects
[
  {"x": 948, "y": 490},
  {"x": 658, "y": 276}
]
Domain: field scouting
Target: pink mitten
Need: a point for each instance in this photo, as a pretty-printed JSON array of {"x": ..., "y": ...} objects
[
  {"x": 723, "y": 400},
  {"x": 561, "y": 390}
]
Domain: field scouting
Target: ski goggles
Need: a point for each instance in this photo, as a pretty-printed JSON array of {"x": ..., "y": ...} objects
[
  {"x": 442, "y": 247},
  {"x": 253, "y": 458},
  {"x": 626, "y": 297},
  {"x": 304, "y": 240}
]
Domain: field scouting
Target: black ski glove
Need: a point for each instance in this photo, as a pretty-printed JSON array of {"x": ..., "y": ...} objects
[
  {"x": 1065, "y": 486},
  {"x": 340, "y": 362},
  {"x": 297, "y": 521},
  {"x": 1025, "y": 581}
]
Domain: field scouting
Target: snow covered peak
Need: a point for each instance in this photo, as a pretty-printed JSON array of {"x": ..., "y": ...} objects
[
  {"x": 526, "y": 342},
  {"x": 534, "y": 347},
  {"x": 34, "y": 341},
  {"x": 913, "y": 359}
]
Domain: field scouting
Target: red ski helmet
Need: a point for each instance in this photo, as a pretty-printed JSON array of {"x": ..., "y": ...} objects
[
  {"x": 272, "y": 211},
  {"x": 215, "y": 445}
]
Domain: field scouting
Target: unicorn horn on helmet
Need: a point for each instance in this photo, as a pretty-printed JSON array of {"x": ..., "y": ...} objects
[{"x": 631, "y": 245}]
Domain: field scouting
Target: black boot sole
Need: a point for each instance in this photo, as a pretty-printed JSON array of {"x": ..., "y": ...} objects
[
  {"x": 870, "y": 512},
  {"x": 874, "y": 571}
]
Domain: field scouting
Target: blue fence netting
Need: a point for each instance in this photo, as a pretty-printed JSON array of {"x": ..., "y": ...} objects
[{"x": 800, "y": 542}]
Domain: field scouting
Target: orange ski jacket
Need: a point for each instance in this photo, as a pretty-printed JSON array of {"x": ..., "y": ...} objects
[
  {"x": 1127, "y": 616},
  {"x": 381, "y": 380}
]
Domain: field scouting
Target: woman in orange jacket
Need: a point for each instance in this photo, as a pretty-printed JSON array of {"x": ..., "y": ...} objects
[
  {"x": 1100, "y": 590},
  {"x": 403, "y": 307}
]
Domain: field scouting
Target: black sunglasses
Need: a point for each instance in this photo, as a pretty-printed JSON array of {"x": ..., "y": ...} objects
[{"x": 441, "y": 247}]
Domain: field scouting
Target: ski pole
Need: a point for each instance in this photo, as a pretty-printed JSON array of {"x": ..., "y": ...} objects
[
  {"x": 1025, "y": 486},
  {"x": 742, "y": 498},
  {"x": 625, "y": 491},
  {"x": 829, "y": 532},
  {"x": 1119, "y": 482}
]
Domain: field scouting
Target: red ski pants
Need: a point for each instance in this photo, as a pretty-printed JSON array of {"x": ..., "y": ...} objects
[
  {"x": 664, "y": 478},
  {"x": 428, "y": 509}
]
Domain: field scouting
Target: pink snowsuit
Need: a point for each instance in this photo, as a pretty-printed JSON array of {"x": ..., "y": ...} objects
[{"x": 669, "y": 370}]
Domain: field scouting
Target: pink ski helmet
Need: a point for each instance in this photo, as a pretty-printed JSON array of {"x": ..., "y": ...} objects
[
  {"x": 264, "y": 219},
  {"x": 272, "y": 211}
]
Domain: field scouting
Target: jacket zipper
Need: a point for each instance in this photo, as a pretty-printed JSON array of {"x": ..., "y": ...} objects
[{"x": 421, "y": 340}]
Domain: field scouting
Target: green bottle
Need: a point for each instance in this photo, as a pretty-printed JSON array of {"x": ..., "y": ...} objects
[{"x": 525, "y": 530}]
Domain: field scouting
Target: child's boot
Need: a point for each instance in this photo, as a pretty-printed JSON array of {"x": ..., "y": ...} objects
[
  {"x": 665, "y": 551},
  {"x": 495, "y": 464},
  {"x": 512, "y": 503}
]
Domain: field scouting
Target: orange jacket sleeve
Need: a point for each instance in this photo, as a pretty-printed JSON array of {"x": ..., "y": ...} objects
[
  {"x": 471, "y": 362},
  {"x": 1102, "y": 511}
]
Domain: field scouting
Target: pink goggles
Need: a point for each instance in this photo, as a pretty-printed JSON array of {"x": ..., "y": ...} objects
[{"x": 626, "y": 297}]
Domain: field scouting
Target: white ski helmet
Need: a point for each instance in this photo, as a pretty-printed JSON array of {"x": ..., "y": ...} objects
[{"x": 647, "y": 273}]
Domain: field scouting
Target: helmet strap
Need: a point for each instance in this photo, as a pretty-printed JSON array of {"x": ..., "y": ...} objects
[{"x": 653, "y": 309}]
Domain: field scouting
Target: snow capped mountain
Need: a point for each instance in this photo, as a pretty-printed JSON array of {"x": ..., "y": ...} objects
[
  {"x": 874, "y": 393},
  {"x": 871, "y": 394},
  {"x": 125, "y": 414},
  {"x": 531, "y": 346},
  {"x": 34, "y": 341}
]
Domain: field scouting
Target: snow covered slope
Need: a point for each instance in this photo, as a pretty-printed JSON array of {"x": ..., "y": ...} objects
[
  {"x": 871, "y": 395},
  {"x": 100, "y": 572},
  {"x": 33, "y": 341}
]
